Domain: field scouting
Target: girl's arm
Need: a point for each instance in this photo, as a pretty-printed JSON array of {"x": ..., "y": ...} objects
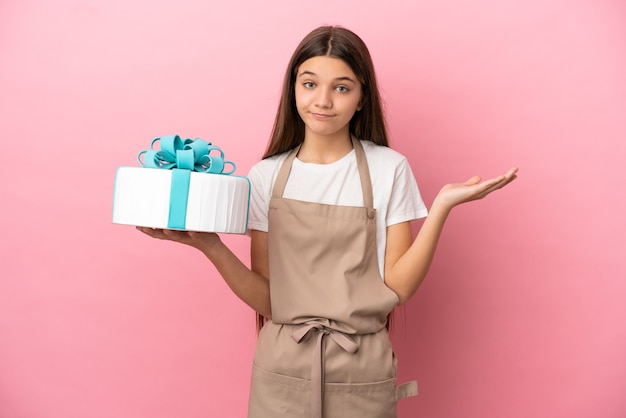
[
  {"x": 250, "y": 285},
  {"x": 406, "y": 262}
]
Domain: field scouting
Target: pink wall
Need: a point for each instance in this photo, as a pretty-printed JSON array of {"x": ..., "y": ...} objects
[{"x": 523, "y": 314}]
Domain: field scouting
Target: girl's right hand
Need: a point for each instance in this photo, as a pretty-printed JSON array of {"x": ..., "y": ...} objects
[{"x": 203, "y": 241}]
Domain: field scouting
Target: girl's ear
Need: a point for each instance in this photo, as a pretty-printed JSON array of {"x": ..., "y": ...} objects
[
  {"x": 362, "y": 100},
  {"x": 364, "y": 97}
]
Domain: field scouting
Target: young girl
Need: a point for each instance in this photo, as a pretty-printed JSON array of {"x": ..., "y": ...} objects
[{"x": 332, "y": 251}]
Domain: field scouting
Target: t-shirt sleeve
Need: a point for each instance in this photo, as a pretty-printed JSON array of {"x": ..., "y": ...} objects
[
  {"x": 405, "y": 202},
  {"x": 259, "y": 197}
]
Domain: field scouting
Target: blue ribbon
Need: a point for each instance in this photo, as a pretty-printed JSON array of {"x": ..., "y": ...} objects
[{"x": 183, "y": 157}]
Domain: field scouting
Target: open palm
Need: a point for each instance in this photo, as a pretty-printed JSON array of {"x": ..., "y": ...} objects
[{"x": 473, "y": 189}]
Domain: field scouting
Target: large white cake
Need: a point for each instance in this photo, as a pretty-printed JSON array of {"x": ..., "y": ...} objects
[
  {"x": 201, "y": 201},
  {"x": 215, "y": 202}
]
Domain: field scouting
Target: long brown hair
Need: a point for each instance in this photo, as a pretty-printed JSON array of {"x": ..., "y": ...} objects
[{"x": 335, "y": 42}]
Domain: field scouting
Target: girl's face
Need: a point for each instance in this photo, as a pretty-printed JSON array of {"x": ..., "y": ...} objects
[{"x": 327, "y": 95}]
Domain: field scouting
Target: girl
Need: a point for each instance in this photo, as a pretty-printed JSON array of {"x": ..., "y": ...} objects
[{"x": 332, "y": 251}]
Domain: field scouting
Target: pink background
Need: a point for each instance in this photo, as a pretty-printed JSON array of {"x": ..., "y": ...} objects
[{"x": 523, "y": 314}]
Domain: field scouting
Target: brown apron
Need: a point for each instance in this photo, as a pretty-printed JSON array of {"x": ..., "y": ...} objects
[{"x": 326, "y": 351}]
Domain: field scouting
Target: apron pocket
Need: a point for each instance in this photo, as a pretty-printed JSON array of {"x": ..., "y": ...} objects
[
  {"x": 361, "y": 400},
  {"x": 274, "y": 395}
]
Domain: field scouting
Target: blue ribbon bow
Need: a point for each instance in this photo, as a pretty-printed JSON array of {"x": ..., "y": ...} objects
[
  {"x": 187, "y": 154},
  {"x": 183, "y": 157}
]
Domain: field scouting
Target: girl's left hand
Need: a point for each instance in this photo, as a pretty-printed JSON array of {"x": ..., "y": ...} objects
[{"x": 454, "y": 194}]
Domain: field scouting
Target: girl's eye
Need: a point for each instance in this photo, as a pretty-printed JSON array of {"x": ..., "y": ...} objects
[
  {"x": 342, "y": 89},
  {"x": 309, "y": 84}
]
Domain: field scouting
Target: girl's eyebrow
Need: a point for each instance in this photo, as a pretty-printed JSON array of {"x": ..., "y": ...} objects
[{"x": 344, "y": 78}]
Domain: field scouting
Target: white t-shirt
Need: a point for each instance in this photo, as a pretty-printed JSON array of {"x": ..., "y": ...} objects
[{"x": 396, "y": 195}]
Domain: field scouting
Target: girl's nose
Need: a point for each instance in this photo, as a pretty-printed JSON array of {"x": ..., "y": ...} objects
[{"x": 323, "y": 98}]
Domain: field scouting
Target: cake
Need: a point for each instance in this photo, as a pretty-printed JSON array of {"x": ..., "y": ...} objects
[{"x": 182, "y": 186}]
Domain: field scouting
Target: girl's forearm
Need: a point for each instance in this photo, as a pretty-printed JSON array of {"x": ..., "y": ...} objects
[
  {"x": 407, "y": 274},
  {"x": 252, "y": 288}
]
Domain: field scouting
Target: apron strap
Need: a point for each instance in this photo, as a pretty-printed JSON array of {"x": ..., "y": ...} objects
[
  {"x": 317, "y": 366},
  {"x": 361, "y": 162},
  {"x": 364, "y": 173},
  {"x": 283, "y": 174}
]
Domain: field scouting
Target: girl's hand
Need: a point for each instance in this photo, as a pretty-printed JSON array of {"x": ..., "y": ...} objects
[
  {"x": 454, "y": 194},
  {"x": 200, "y": 240}
]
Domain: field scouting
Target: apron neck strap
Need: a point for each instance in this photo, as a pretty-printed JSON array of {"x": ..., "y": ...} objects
[
  {"x": 283, "y": 174},
  {"x": 361, "y": 162},
  {"x": 364, "y": 173}
]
